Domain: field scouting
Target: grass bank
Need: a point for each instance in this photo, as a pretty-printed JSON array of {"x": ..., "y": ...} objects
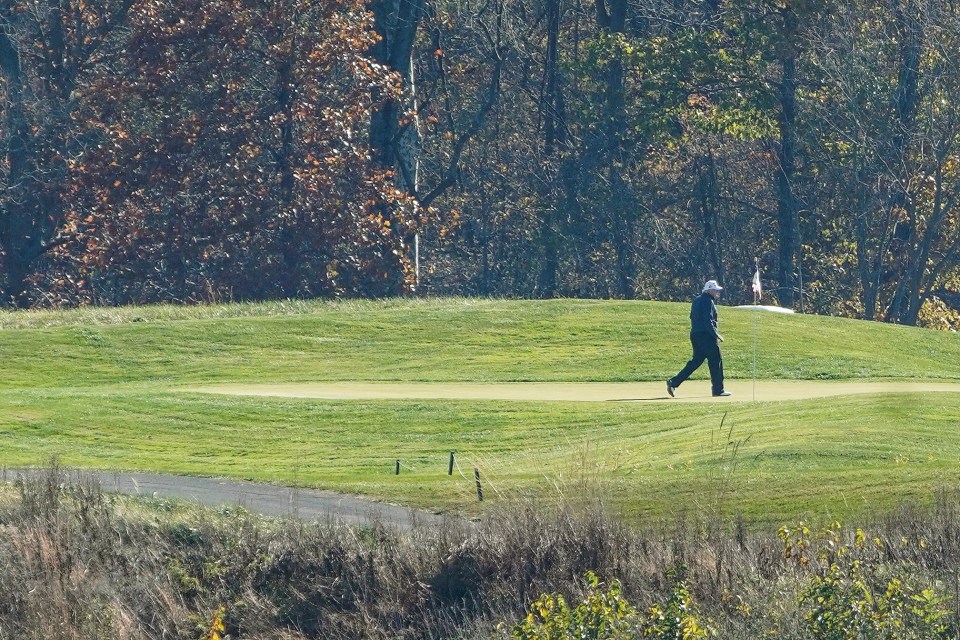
[{"x": 445, "y": 340}]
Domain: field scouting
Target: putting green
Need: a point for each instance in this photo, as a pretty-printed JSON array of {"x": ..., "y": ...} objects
[{"x": 691, "y": 391}]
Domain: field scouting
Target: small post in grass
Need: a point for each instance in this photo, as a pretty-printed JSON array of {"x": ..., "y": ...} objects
[
  {"x": 450, "y": 468},
  {"x": 398, "y": 467},
  {"x": 476, "y": 475}
]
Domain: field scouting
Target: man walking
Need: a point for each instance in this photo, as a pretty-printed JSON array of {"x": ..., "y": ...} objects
[{"x": 705, "y": 338}]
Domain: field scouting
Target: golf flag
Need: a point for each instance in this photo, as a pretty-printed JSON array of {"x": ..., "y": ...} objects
[{"x": 756, "y": 286}]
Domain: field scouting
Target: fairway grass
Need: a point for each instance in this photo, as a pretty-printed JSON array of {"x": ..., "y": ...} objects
[{"x": 103, "y": 389}]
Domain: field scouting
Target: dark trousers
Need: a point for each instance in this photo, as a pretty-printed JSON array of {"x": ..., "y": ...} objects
[{"x": 705, "y": 347}]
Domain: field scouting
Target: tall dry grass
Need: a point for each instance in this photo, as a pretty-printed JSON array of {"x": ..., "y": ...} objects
[{"x": 78, "y": 563}]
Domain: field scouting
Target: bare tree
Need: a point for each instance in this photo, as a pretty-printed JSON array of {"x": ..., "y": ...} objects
[{"x": 894, "y": 151}]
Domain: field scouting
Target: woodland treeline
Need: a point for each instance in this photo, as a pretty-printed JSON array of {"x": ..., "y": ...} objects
[{"x": 191, "y": 150}]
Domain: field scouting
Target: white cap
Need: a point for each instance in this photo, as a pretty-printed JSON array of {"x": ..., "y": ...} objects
[{"x": 712, "y": 285}]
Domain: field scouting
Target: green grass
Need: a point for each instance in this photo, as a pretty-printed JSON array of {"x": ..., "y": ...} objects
[
  {"x": 101, "y": 388},
  {"x": 444, "y": 340}
]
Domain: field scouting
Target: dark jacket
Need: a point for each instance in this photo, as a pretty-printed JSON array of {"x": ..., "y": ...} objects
[{"x": 703, "y": 315}]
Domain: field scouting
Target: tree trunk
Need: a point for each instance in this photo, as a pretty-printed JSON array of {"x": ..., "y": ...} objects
[
  {"x": 612, "y": 17},
  {"x": 907, "y": 103},
  {"x": 868, "y": 271},
  {"x": 787, "y": 211},
  {"x": 552, "y": 106},
  {"x": 396, "y": 22},
  {"x": 290, "y": 234},
  {"x": 709, "y": 216},
  {"x": 552, "y": 100},
  {"x": 18, "y": 236}
]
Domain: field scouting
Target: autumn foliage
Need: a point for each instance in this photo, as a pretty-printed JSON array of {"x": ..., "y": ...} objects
[
  {"x": 158, "y": 150},
  {"x": 224, "y": 156}
]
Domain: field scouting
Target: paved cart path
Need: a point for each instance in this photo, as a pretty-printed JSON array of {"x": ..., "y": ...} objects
[
  {"x": 271, "y": 500},
  {"x": 691, "y": 391}
]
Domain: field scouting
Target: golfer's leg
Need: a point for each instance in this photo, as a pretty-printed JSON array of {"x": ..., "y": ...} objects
[
  {"x": 698, "y": 357},
  {"x": 715, "y": 362}
]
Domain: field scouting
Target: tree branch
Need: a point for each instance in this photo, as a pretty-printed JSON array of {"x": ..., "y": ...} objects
[{"x": 493, "y": 92}]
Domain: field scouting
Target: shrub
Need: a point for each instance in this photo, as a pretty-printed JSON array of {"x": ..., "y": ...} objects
[
  {"x": 677, "y": 619},
  {"x": 602, "y": 614},
  {"x": 853, "y": 594}
]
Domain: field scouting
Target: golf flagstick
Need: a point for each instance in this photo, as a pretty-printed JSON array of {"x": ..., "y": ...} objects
[
  {"x": 757, "y": 292},
  {"x": 756, "y": 321}
]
